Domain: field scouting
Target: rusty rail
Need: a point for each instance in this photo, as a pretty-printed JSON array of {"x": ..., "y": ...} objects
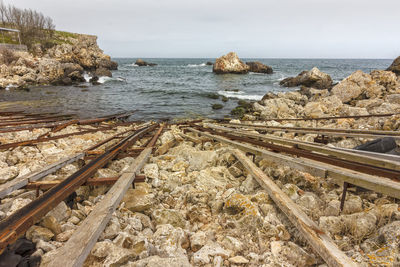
[
  {"x": 352, "y": 165},
  {"x": 19, "y": 222},
  {"x": 325, "y": 118}
]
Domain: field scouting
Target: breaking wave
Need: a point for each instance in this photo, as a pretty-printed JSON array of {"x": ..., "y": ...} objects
[
  {"x": 240, "y": 95},
  {"x": 196, "y": 65}
]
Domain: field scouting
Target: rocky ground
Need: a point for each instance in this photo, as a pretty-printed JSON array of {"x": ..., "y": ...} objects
[
  {"x": 62, "y": 64},
  {"x": 200, "y": 207}
]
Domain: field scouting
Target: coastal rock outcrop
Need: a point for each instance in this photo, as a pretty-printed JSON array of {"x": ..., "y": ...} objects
[
  {"x": 256, "y": 66},
  {"x": 230, "y": 63},
  {"x": 395, "y": 67},
  {"x": 358, "y": 85},
  {"x": 313, "y": 78},
  {"x": 141, "y": 63},
  {"x": 62, "y": 64}
]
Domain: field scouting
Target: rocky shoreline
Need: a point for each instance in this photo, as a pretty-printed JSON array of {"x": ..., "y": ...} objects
[
  {"x": 63, "y": 64},
  {"x": 199, "y": 206}
]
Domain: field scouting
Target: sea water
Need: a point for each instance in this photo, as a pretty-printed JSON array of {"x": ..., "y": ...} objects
[{"x": 175, "y": 88}]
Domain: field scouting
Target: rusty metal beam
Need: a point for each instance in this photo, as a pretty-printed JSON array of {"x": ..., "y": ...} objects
[
  {"x": 348, "y": 164},
  {"x": 325, "y": 118},
  {"x": 45, "y": 185}
]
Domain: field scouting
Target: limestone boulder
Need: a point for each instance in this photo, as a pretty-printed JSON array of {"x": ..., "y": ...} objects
[
  {"x": 230, "y": 63},
  {"x": 168, "y": 216},
  {"x": 138, "y": 199},
  {"x": 387, "y": 79},
  {"x": 168, "y": 241},
  {"x": 157, "y": 261},
  {"x": 358, "y": 85},
  {"x": 110, "y": 254},
  {"x": 36, "y": 233},
  {"x": 313, "y": 78},
  {"x": 258, "y": 67}
]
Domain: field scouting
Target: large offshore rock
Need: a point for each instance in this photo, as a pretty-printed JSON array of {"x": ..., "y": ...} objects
[
  {"x": 258, "y": 67},
  {"x": 313, "y": 78},
  {"x": 230, "y": 63},
  {"x": 357, "y": 85},
  {"x": 395, "y": 67}
]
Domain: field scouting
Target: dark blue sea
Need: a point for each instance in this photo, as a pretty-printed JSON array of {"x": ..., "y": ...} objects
[{"x": 175, "y": 88}]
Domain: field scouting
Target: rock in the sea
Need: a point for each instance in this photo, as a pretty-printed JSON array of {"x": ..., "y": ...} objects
[
  {"x": 230, "y": 63},
  {"x": 395, "y": 67},
  {"x": 313, "y": 78},
  {"x": 209, "y": 63},
  {"x": 103, "y": 72},
  {"x": 141, "y": 63},
  {"x": 357, "y": 85},
  {"x": 256, "y": 66}
]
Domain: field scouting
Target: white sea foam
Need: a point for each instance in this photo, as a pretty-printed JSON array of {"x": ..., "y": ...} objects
[
  {"x": 104, "y": 79},
  {"x": 87, "y": 77},
  {"x": 134, "y": 65},
  {"x": 240, "y": 95},
  {"x": 196, "y": 65}
]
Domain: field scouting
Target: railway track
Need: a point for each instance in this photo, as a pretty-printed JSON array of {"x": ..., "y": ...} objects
[{"x": 18, "y": 223}]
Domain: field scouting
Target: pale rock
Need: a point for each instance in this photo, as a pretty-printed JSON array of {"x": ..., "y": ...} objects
[
  {"x": 215, "y": 178},
  {"x": 166, "y": 137},
  {"x": 333, "y": 208},
  {"x": 198, "y": 160},
  {"x": 144, "y": 219},
  {"x": 198, "y": 240},
  {"x": 238, "y": 260},
  {"x": 36, "y": 233},
  {"x": 278, "y": 108},
  {"x": 292, "y": 253},
  {"x": 230, "y": 63},
  {"x": 157, "y": 261},
  {"x": 352, "y": 205},
  {"x": 356, "y": 84},
  {"x": 331, "y": 224},
  {"x": 249, "y": 185},
  {"x": 393, "y": 99},
  {"x": 360, "y": 224},
  {"x": 315, "y": 110},
  {"x": 218, "y": 261},
  {"x": 112, "y": 229},
  {"x": 387, "y": 79},
  {"x": 139, "y": 245},
  {"x": 60, "y": 212},
  {"x": 310, "y": 203},
  {"x": 235, "y": 171},
  {"x": 232, "y": 244},
  {"x": 291, "y": 191},
  {"x": 240, "y": 204},
  {"x": 18, "y": 204},
  {"x": 168, "y": 241},
  {"x": 8, "y": 173},
  {"x": 68, "y": 226},
  {"x": 151, "y": 171},
  {"x": 75, "y": 220},
  {"x": 64, "y": 236},
  {"x": 209, "y": 250},
  {"x": 135, "y": 223},
  {"x": 138, "y": 200},
  {"x": 112, "y": 255},
  {"x": 51, "y": 223},
  {"x": 168, "y": 216},
  {"x": 45, "y": 246}
]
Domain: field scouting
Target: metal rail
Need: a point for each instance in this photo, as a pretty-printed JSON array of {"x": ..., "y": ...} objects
[
  {"x": 348, "y": 164},
  {"x": 19, "y": 222},
  {"x": 321, "y": 131},
  {"x": 326, "y": 118}
]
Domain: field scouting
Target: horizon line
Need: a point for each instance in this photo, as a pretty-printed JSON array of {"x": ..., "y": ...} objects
[{"x": 249, "y": 58}]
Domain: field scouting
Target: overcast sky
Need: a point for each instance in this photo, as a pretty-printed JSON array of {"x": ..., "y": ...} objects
[{"x": 252, "y": 28}]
